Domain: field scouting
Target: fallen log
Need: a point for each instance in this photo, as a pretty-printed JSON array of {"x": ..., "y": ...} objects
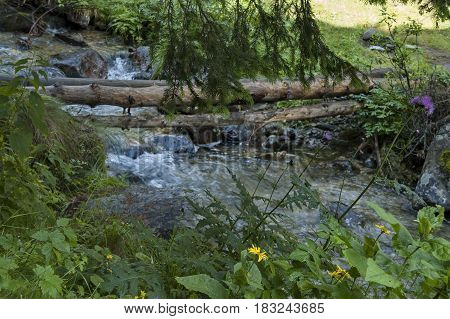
[
  {"x": 129, "y": 97},
  {"x": 258, "y": 118},
  {"x": 89, "y": 81}
]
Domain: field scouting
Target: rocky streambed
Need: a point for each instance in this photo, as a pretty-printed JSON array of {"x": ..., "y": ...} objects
[{"x": 164, "y": 167}]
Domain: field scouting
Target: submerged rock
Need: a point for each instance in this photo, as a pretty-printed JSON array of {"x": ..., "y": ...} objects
[
  {"x": 169, "y": 143},
  {"x": 84, "y": 63},
  {"x": 71, "y": 38},
  {"x": 235, "y": 134},
  {"x": 434, "y": 183}
]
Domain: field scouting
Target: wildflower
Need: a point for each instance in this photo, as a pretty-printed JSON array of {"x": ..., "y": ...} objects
[
  {"x": 143, "y": 294},
  {"x": 426, "y": 101},
  {"x": 339, "y": 274},
  {"x": 109, "y": 256},
  {"x": 136, "y": 297},
  {"x": 383, "y": 229},
  {"x": 257, "y": 251}
]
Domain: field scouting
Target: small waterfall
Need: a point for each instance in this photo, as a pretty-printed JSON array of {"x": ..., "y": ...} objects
[{"x": 121, "y": 68}]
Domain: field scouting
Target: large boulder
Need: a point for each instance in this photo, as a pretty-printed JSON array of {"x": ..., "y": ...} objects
[
  {"x": 80, "y": 18},
  {"x": 141, "y": 58},
  {"x": 434, "y": 184},
  {"x": 51, "y": 72},
  {"x": 85, "y": 63},
  {"x": 11, "y": 21}
]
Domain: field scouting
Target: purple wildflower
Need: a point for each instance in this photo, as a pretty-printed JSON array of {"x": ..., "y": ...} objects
[
  {"x": 328, "y": 136},
  {"x": 426, "y": 101}
]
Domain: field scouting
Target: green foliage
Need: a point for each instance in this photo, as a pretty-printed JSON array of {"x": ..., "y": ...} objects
[
  {"x": 93, "y": 254},
  {"x": 445, "y": 160}
]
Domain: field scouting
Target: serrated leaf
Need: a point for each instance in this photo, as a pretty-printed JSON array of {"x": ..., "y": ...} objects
[
  {"x": 41, "y": 235},
  {"x": 356, "y": 260},
  {"x": 205, "y": 285},
  {"x": 50, "y": 284},
  {"x": 62, "y": 222},
  {"x": 96, "y": 280}
]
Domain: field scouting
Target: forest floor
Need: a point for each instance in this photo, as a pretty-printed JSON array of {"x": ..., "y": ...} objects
[{"x": 344, "y": 21}]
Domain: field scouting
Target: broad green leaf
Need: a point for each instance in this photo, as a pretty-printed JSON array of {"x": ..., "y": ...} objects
[
  {"x": 62, "y": 222},
  {"x": 59, "y": 241},
  {"x": 204, "y": 284},
  {"x": 377, "y": 275},
  {"x": 50, "y": 284},
  {"x": 41, "y": 235},
  {"x": 356, "y": 260},
  {"x": 430, "y": 219},
  {"x": 299, "y": 255},
  {"x": 96, "y": 280}
]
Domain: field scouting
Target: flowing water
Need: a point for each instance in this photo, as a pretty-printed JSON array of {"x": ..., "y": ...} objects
[{"x": 162, "y": 177}]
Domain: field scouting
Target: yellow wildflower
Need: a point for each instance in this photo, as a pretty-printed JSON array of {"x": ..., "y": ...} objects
[
  {"x": 383, "y": 229},
  {"x": 257, "y": 251},
  {"x": 136, "y": 297},
  {"x": 109, "y": 256},
  {"x": 340, "y": 274},
  {"x": 143, "y": 294}
]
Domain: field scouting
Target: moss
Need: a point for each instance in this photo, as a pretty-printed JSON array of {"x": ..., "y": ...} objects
[{"x": 445, "y": 160}]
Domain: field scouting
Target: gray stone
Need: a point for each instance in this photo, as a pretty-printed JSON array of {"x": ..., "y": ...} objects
[
  {"x": 72, "y": 38},
  {"x": 377, "y": 48},
  {"x": 368, "y": 35},
  {"x": 81, "y": 18},
  {"x": 235, "y": 134},
  {"x": 84, "y": 63},
  {"x": 141, "y": 58},
  {"x": 51, "y": 72},
  {"x": 11, "y": 21},
  {"x": 434, "y": 183},
  {"x": 380, "y": 73},
  {"x": 169, "y": 143}
]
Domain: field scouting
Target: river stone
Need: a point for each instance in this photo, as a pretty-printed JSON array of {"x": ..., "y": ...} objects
[
  {"x": 277, "y": 143},
  {"x": 141, "y": 58},
  {"x": 80, "y": 18},
  {"x": 84, "y": 63},
  {"x": 368, "y": 35},
  {"x": 169, "y": 143},
  {"x": 11, "y": 21},
  {"x": 51, "y": 72},
  {"x": 160, "y": 209},
  {"x": 434, "y": 183},
  {"x": 71, "y": 38},
  {"x": 235, "y": 134}
]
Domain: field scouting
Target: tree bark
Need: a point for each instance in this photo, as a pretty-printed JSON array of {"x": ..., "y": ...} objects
[
  {"x": 130, "y": 97},
  {"x": 260, "y": 118}
]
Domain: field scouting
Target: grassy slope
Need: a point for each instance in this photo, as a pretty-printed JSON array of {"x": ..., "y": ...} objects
[{"x": 344, "y": 21}]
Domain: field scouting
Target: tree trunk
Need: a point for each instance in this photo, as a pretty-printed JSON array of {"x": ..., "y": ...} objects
[
  {"x": 130, "y": 97},
  {"x": 259, "y": 118}
]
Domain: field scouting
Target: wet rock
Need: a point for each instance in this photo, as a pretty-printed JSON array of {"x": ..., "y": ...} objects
[
  {"x": 24, "y": 43},
  {"x": 11, "y": 21},
  {"x": 370, "y": 162},
  {"x": 80, "y": 18},
  {"x": 273, "y": 129},
  {"x": 434, "y": 183},
  {"x": 169, "y": 143},
  {"x": 51, "y": 72},
  {"x": 142, "y": 76},
  {"x": 235, "y": 134},
  {"x": 141, "y": 58},
  {"x": 161, "y": 210},
  {"x": 368, "y": 35},
  {"x": 277, "y": 143},
  {"x": 345, "y": 166},
  {"x": 71, "y": 38},
  {"x": 84, "y": 63},
  {"x": 380, "y": 72},
  {"x": 377, "y": 48}
]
